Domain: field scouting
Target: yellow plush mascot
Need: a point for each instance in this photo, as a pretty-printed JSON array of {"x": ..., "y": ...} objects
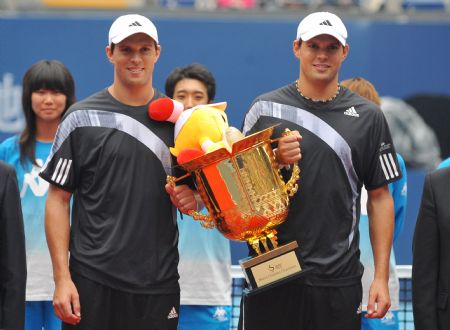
[{"x": 198, "y": 130}]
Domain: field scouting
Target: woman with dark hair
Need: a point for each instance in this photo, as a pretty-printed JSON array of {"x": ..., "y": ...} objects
[{"x": 48, "y": 91}]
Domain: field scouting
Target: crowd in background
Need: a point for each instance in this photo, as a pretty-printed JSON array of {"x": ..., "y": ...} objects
[{"x": 364, "y": 6}]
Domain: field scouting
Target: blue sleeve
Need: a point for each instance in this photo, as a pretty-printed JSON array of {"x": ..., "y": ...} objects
[
  {"x": 445, "y": 163},
  {"x": 2, "y": 151},
  {"x": 398, "y": 190},
  {"x": 7, "y": 146}
]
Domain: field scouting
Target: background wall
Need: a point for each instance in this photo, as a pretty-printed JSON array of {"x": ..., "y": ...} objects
[{"x": 249, "y": 55}]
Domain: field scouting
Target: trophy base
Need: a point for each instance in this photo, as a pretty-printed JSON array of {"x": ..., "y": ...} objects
[{"x": 272, "y": 268}]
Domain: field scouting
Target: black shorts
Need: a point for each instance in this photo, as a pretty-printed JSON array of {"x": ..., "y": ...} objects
[
  {"x": 103, "y": 308},
  {"x": 297, "y": 306}
]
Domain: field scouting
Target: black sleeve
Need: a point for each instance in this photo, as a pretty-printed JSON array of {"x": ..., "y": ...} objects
[
  {"x": 381, "y": 156},
  {"x": 60, "y": 168},
  {"x": 13, "y": 270}
]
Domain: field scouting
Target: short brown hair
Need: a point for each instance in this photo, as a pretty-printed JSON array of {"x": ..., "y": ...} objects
[{"x": 362, "y": 87}]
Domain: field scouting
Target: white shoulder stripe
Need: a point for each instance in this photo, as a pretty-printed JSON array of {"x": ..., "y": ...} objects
[
  {"x": 388, "y": 165},
  {"x": 66, "y": 172},
  {"x": 386, "y": 175},
  {"x": 57, "y": 169},
  {"x": 391, "y": 159},
  {"x": 61, "y": 171}
]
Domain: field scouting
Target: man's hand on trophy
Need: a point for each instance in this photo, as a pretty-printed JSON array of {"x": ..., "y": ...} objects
[
  {"x": 289, "y": 151},
  {"x": 183, "y": 197}
]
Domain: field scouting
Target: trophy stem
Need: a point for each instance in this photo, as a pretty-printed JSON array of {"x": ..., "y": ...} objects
[
  {"x": 272, "y": 235},
  {"x": 263, "y": 240},
  {"x": 254, "y": 242}
]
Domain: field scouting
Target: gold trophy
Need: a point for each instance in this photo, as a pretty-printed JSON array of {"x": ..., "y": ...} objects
[{"x": 246, "y": 199}]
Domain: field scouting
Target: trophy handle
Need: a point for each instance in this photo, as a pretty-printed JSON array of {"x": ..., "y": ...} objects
[
  {"x": 206, "y": 221},
  {"x": 291, "y": 186}
]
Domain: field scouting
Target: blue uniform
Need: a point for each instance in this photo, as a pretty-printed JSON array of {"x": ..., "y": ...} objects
[{"x": 205, "y": 277}]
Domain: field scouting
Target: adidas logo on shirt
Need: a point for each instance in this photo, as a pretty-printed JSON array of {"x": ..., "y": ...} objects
[
  {"x": 351, "y": 112},
  {"x": 388, "y": 318},
  {"x": 220, "y": 314},
  {"x": 359, "y": 309},
  {"x": 172, "y": 314}
]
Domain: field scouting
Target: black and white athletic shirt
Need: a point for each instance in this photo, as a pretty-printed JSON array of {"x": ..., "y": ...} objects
[
  {"x": 346, "y": 143},
  {"x": 115, "y": 159}
]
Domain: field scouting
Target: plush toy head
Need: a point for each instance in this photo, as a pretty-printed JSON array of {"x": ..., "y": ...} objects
[{"x": 197, "y": 130}]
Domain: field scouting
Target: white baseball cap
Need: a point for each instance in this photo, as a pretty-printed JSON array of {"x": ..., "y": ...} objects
[
  {"x": 322, "y": 23},
  {"x": 127, "y": 25}
]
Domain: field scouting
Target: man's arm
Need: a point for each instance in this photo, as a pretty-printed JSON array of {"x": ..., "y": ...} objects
[
  {"x": 57, "y": 229},
  {"x": 13, "y": 270},
  {"x": 380, "y": 209}
]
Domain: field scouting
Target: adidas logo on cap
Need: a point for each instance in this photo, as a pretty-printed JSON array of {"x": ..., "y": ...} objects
[
  {"x": 327, "y": 22},
  {"x": 136, "y": 23}
]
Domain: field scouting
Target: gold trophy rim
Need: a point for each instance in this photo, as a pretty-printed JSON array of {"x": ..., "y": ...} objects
[{"x": 241, "y": 145}]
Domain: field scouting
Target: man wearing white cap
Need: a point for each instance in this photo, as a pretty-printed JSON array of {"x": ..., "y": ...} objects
[
  {"x": 344, "y": 144},
  {"x": 113, "y": 160}
]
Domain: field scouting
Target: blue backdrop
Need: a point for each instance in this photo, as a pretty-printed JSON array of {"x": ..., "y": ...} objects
[{"x": 248, "y": 56}]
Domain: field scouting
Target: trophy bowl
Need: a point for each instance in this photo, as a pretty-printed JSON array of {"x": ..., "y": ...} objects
[{"x": 243, "y": 191}]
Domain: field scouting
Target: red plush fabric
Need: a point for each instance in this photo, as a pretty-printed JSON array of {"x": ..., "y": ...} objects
[
  {"x": 189, "y": 154},
  {"x": 161, "y": 109}
]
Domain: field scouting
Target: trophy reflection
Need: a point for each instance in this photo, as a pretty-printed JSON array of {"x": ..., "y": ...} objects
[{"x": 247, "y": 198}]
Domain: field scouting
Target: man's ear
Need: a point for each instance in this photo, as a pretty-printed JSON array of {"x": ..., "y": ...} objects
[
  {"x": 158, "y": 52},
  {"x": 346, "y": 50},
  {"x": 296, "y": 48},
  {"x": 108, "y": 52}
]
